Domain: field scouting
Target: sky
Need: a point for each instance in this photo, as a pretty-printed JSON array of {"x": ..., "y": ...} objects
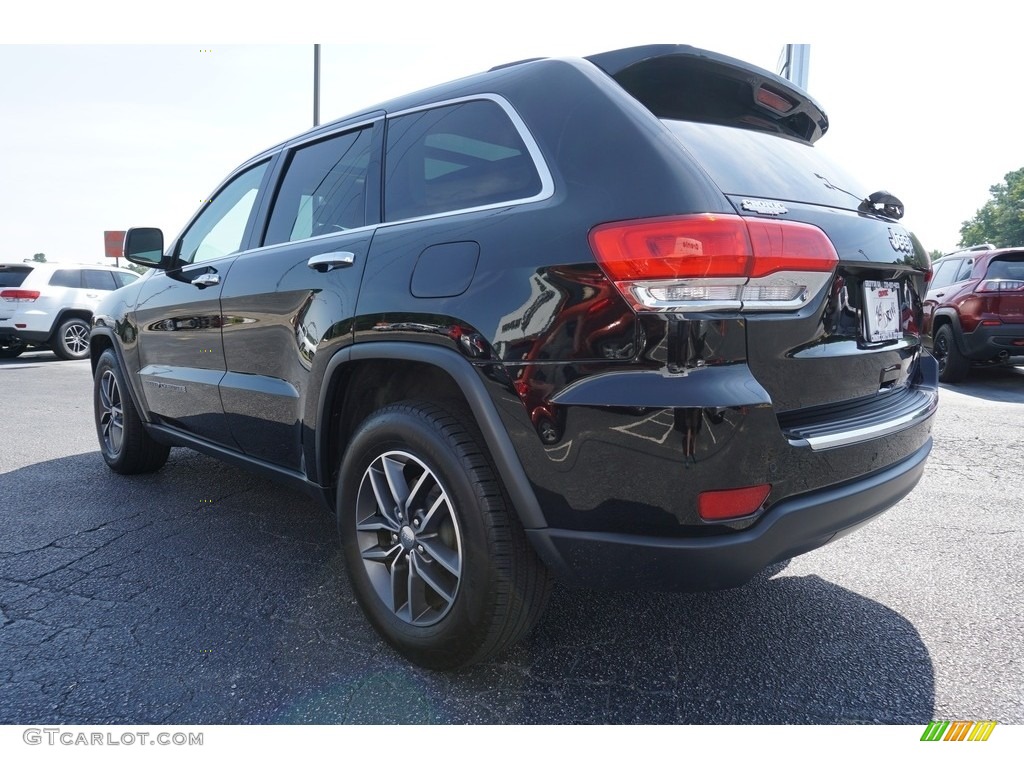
[{"x": 106, "y": 126}]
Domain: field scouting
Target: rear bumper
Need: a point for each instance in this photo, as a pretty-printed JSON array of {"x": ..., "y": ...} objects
[
  {"x": 991, "y": 341},
  {"x": 792, "y": 527},
  {"x": 37, "y": 337}
]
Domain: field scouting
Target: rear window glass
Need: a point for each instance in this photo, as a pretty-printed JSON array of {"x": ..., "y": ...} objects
[
  {"x": 743, "y": 162},
  {"x": 1006, "y": 269},
  {"x": 12, "y": 277},
  {"x": 455, "y": 157}
]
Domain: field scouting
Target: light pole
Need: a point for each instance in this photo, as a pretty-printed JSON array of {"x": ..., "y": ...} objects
[{"x": 316, "y": 85}]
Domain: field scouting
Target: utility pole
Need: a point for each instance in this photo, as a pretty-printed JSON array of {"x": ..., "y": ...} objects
[
  {"x": 795, "y": 63},
  {"x": 316, "y": 85}
]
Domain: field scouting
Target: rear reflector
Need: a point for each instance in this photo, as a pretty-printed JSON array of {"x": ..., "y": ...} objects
[
  {"x": 735, "y": 502},
  {"x": 706, "y": 262},
  {"x": 17, "y": 294}
]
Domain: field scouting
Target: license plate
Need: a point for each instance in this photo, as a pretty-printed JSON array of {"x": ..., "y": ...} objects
[{"x": 882, "y": 316}]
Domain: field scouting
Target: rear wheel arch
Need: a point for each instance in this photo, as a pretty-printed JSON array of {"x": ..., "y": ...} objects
[
  {"x": 364, "y": 378},
  {"x": 950, "y": 319}
]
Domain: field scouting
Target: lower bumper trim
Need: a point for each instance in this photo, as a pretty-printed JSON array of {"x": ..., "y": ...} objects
[{"x": 790, "y": 528}]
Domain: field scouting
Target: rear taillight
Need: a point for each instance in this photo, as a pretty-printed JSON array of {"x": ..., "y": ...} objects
[
  {"x": 999, "y": 285},
  {"x": 17, "y": 294},
  {"x": 710, "y": 262}
]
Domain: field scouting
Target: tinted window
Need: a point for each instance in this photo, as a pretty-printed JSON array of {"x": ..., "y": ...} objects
[
  {"x": 99, "y": 280},
  {"x": 124, "y": 278},
  {"x": 945, "y": 272},
  {"x": 221, "y": 226},
  {"x": 455, "y": 157},
  {"x": 966, "y": 266},
  {"x": 743, "y": 162},
  {"x": 324, "y": 189},
  {"x": 67, "y": 278},
  {"x": 12, "y": 277},
  {"x": 1006, "y": 269}
]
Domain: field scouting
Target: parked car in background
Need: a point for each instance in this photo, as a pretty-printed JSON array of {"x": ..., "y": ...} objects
[
  {"x": 611, "y": 319},
  {"x": 974, "y": 310},
  {"x": 51, "y": 304}
]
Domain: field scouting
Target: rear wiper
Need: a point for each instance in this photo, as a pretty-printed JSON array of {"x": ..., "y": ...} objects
[{"x": 884, "y": 203}]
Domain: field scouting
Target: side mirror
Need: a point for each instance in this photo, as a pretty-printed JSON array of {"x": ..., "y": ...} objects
[{"x": 145, "y": 246}]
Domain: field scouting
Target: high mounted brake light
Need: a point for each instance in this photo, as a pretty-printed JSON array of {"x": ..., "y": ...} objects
[{"x": 707, "y": 262}]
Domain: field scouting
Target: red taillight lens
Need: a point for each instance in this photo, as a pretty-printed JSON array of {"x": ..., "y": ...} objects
[
  {"x": 712, "y": 261},
  {"x": 735, "y": 502},
  {"x": 17, "y": 294}
]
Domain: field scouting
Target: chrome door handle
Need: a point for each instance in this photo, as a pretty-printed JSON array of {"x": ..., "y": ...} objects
[
  {"x": 325, "y": 262},
  {"x": 206, "y": 280}
]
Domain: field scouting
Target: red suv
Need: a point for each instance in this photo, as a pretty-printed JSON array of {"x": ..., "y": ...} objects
[{"x": 974, "y": 310}]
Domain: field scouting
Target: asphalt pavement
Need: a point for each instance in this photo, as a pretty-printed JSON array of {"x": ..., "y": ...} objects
[{"x": 204, "y": 594}]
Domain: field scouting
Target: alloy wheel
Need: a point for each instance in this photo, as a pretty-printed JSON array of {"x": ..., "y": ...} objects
[
  {"x": 111, "y": 414},
  {"x": 76, "y": 339},
  {"x": 409, "y": 540}
]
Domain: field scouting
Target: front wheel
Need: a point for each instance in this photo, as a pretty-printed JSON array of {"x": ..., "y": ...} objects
[
  {"x": 438, "y": 561},
  {"x": 126, "y": 446}
]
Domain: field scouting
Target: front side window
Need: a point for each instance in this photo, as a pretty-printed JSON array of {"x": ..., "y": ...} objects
[
  {"x": 221, "y": 226},
  {"x": 324, "y": 189},
  {"x": 455, "y": 157}
]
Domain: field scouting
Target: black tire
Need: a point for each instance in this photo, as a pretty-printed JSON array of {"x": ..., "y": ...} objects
[
  {"x": 11, "y": 347},
  {"x": 953, "y": 366},
  {"x": 126, "y": 446},
  {"x": 71, "y": 341},
  {"x": 438, "y": 561}
]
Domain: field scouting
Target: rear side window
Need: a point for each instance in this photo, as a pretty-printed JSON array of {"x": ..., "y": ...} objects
[
  {"x": 12, "y": 277},
  {"x": 98, "y": 279},
  {"x": 945, "y": 273},
  {"x": 965, "y": 270},
  {"x": 455, "y": 157},
  {"x": 67, "y": 278},
  {"x": 324, "y": 189}
]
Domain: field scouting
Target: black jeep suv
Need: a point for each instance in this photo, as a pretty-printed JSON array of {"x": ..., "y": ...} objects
[{"x": 612, "y": 320}]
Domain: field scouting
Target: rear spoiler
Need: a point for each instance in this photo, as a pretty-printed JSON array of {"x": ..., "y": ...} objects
[{"x": 680, "y": 82}]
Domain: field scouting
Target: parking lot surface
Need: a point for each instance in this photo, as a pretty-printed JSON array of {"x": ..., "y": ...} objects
[{"x": 204, "y": 594}]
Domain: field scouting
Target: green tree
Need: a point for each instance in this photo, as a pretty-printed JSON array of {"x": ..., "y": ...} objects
[
  {"x": 39, "y": 257},
  {"x": 1001, "y": 220},
  {"x": 935, "y": 254}
]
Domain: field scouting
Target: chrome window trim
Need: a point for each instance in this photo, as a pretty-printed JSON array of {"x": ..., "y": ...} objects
[{"x": 547, "y": 183}]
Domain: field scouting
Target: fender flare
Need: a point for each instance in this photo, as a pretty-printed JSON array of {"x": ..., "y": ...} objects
[{"x": 507, "y": 463}]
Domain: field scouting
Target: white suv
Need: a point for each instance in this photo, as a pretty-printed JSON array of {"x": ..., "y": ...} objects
[{"x": 44, "y": 304}]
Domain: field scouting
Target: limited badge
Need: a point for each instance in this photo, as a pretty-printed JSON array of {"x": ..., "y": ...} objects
[{"x": 767, "y": 207}]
